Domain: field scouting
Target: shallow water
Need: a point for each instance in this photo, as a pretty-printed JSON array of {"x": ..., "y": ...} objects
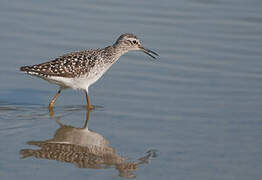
[{"x": 193, "y": 114}]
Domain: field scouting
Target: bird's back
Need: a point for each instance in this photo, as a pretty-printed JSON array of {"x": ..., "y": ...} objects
[
  {"x": 69, "y": 65},
  {"x": 77, "y": 70}
]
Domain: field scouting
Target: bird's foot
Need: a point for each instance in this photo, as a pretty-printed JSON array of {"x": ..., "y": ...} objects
[{"x": 90, "y": 107}]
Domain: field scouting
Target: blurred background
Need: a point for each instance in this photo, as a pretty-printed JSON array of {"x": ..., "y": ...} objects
[{"x": 198, "y": 107}]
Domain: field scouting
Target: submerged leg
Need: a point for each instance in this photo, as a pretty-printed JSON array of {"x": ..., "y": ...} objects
[
  {"x": 89, "y": 106},
  {"x": 51, "y": 112},
  {"x": 87, "y": 118},
  {"x": 54, "y": 99}
]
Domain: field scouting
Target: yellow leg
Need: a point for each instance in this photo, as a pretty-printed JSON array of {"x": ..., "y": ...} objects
[
  {"x": 54, "y": 99},
  {"x": 89, "y": 106},
  {"x": 51, "y": 112}
]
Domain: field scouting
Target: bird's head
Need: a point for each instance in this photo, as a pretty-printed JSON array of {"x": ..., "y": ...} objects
[{"x": 130, "y": 42}]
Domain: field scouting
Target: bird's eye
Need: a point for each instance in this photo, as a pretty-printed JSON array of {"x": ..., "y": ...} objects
[{"x": 134, "y": 41}]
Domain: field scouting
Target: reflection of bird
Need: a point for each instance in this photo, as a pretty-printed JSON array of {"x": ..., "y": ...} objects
[
  {"x": 83, "y": 148},
  {"x": 79, "y": 70}
]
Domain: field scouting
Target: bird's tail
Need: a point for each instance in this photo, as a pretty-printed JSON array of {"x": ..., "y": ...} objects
[
  {"x": 25, "y": 69},
  {"x": 29, "y": 70}
]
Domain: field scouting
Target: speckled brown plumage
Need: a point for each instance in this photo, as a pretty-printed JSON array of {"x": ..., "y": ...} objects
[
  {"x": 79, "y": 70},
  {"x": 73, "y": 64}
]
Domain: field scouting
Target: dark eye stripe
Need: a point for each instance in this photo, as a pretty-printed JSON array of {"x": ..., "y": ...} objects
[{"x": 128, "y": 42}]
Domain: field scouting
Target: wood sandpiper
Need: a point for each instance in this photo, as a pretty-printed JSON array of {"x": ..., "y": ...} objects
[{"x": 79, "y": 70}]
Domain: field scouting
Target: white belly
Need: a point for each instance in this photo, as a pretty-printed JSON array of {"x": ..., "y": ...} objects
[{"x": 82, "y": 82}]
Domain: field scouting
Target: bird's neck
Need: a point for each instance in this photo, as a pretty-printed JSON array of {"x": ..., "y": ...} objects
[
  {"x": 114, "y": 52},
  {"x": 120, "y": 48}
]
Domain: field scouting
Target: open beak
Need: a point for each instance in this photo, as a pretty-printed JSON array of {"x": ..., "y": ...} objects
[{"x": 149, "y": 52}]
